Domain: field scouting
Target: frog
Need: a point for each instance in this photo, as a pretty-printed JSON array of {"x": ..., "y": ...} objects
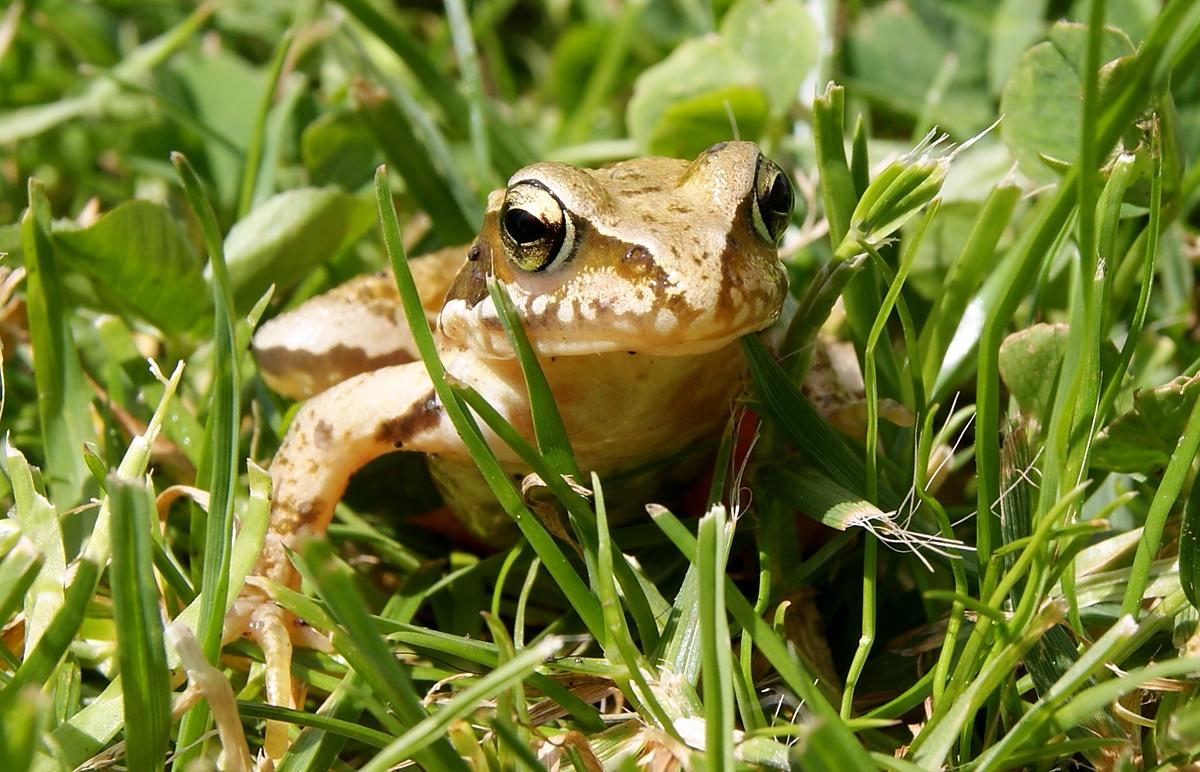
[{"x": 633, "y": 283}]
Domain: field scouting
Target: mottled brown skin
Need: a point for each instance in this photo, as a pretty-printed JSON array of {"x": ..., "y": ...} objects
[{"x": 635, "y": 321}]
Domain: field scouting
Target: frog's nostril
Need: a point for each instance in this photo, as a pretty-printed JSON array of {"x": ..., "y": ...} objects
[{"x": 638, "y": 255}]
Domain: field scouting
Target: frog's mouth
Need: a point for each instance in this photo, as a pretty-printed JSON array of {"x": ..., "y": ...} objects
[{"x": 576, "y": 328}]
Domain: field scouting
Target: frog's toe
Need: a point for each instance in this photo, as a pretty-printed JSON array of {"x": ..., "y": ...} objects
[{"x": 276, "y": 632}]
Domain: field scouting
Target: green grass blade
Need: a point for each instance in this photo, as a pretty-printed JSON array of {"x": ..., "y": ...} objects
[
  {"x": 218, "y": 470},
  {"x": 866, "y": 639},
  {"x": 679, "y": 647},
  {"x": 582, "y": 519},
  {"x": 1092, "y": 661},
  {"x": 38, "y": 521},
  {"x": 548, "y": 427},
  {"x": 788, "y": 408},
  {"x": 325, "y": 733},
  {"x": 452, "y": 208},
  {"x": 415, "y": 56},
  {"x": 837, "y": 181},
  {"x": 374, "y": 660},
  {"x": 819, "y": 497},
  {"x": 966, "y": 274},
  {"x": 1189, "y": 548},
  {"x": 511, "y": 710},
  {"x": 932, "y": 746},
  {"x": 508, "y": 148},
  {"x": 18, "y": 571},
  {"x": 860, "y": 158},
  {"x": 462, "y": 705},
  {"x": 1149, "y": 261},
  {"x": 140, "y": 649},
  {"x": 1165, "y": 498},
  {"x": 221, "y": 440},
  {"x": 1078, "y": 389},
  {"x": 43, "y": 658},
  {"x": 717, "y": 658},
  {"x": 579, "y": 124},
  {"x": 62, "y": 394},
  {"x": 543, "y": 544},
  {"x": 1093, "y": 699},
  {"x": 86, "y": 732},
  {"x": 20, "y": 730},
  {"x": 348, "y": 729},
  {"x": 485, "y": 654},
  {"x": 791, "y": 669},
  {"x": 472, "y": 77},
  {"x": 826, "y": 748},
  {"x": 519, "y": 748},
  {"x": 254, "y": 149},
  {"x": 618, "y": 643}
]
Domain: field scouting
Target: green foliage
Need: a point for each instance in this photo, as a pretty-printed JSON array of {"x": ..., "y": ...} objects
[
  {"x": 982, "y": 395},
  {"x": 699, "y": 78},
  {"x": 282, "y": 239},
  {"x": 1043, "y": 100},
  {"x": 138, "y": 254},
  {"x": 1026, "y": 357},
  {"x": 1143, "y": 438}
]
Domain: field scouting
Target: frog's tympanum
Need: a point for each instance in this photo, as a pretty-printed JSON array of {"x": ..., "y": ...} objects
[{"x": 633, "y": 283}]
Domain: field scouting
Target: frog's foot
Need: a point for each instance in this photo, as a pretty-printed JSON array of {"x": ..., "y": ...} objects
[
  {"x": 353, "y": 328},
  {"x": 276, "y": 632}
]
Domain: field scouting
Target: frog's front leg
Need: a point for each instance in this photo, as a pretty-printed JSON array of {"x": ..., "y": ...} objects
[{"x": 332, "y": 436}]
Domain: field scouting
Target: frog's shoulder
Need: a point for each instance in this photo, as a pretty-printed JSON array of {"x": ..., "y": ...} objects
[{"x": 353, "y": 328}]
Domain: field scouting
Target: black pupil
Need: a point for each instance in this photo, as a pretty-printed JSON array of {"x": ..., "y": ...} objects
[
  {"x": 779, "y": 197},
  {"x": 523, "y": 226}
]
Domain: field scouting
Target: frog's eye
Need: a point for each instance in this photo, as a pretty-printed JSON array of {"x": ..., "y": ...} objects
[
  {"x": 772, "y": 200},
  {"x": 535, "y": 227}
]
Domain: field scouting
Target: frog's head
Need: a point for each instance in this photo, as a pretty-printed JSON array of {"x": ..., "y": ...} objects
[{"x": 653, "y": 255}]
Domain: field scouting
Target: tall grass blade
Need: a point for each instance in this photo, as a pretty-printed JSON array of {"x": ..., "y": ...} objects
[
  {"x": 791, "y": 669},
  {"x": 1189, "y": 548},
  {"x": 717, "y": 665},
  {"x": 963, "y": 279},
  {"x": 62, "y": 394},
  {"x": 788, "y": 408},
  {"x": 508, "y": 148},
  {"x": 218, "y": 470},
  {"x": 543, "y": 544},
  {"x": 375, "y": 661},
  {"x": 1165, "y": 498},
  {"x": 139, "y": 628},
  {"x": 254, "y": 149},
  {"x": 548, "y": 426},
  {"x": 38, "y": 521},
  {"x": 462, "y": 705}
]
